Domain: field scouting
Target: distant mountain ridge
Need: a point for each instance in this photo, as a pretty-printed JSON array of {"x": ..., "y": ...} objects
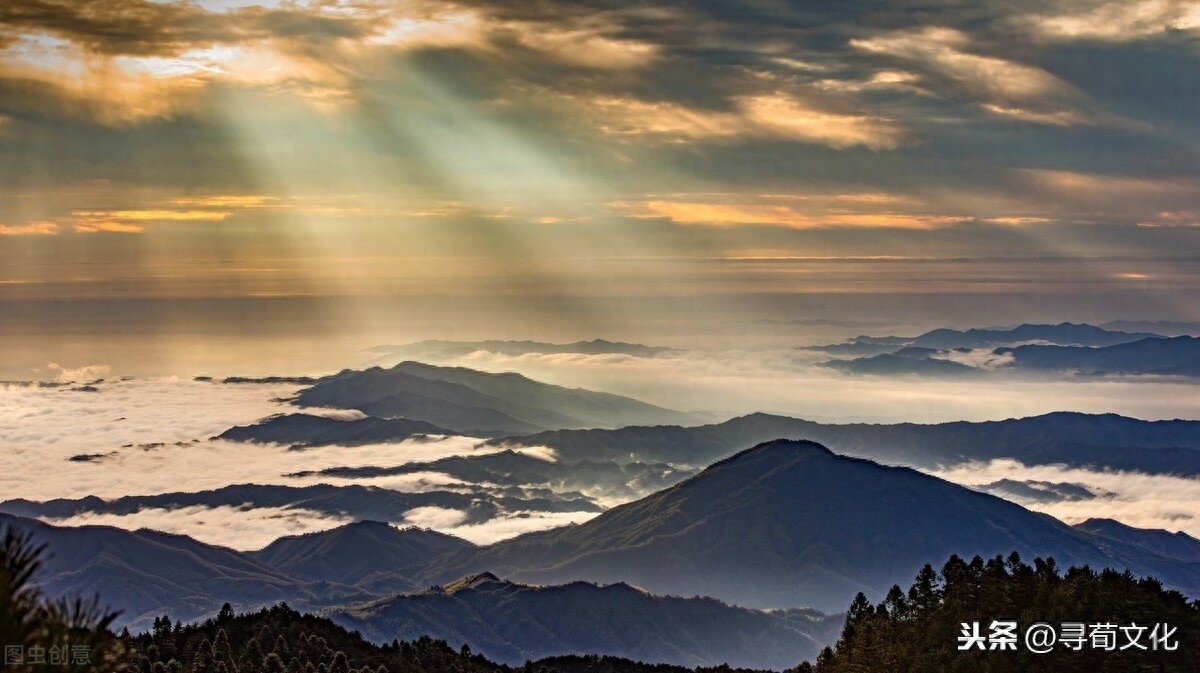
[
  {"x": 307, "y": 430},
  {"x": 609, "y": 479},
  {"x": 1062, "y": 334},
  {"x": 1072, "y": 438},
  {"x": 1152, "y": 356},
  {"x": 1172, "y": 545},
  {"x": 352, "y": 501},
  {"x": 145, "y": 573},
  {"x": 512, "y": 623},
  {"x": 1065, "y": 348},
  {"x": 477, "y": 403},
  {"x": 373, "y": 555},
  {"x": 436, "y": 348},
  {"x": 1156, "y": 356}
]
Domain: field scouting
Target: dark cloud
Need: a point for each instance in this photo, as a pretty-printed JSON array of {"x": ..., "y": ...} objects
[
  {"x": 136, "y": 27},
  {"x": 599, "y": 130}
]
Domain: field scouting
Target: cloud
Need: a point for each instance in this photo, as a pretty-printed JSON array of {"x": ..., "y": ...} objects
[
  {"x": 153, "y": 215},
  {"x": 810, "y": 209},
  {"x": 788, "y": 117},
  {"x": 1117, "y": 21},
  {"x": 755, "y": 211},
  {"x": 509, "y": 524},
  {"x": 111, "y": 227},
  {"x": 583, "y": 46},
  {"x": 336, "y": 414},
  {"x": 79, "y": 374},
  {"x": 41, "y": 428},
  {"x": 1140, "y": 500},
  {"x": 944, "y": 50},
  {"x": 222, "y": 201},
  {"x": 1143, "y": 200},
  {"x": 241, "y": 528},
  {"x": 31, "y": 229},
  {"x": 767, "y": 115},
  {"x": 770, "y": 374},
  {"x": 438, "y": 518},
  {"x": 540, "y": 452},
  {"x": 131, "y": 61},
  {"x": 983, "y": 358},
  {"x": 415, "y": 482},
  {"x": 1004, "y": 86},
  {"x": 156, "y": 432},
  {"x": 153, "y": 435}
]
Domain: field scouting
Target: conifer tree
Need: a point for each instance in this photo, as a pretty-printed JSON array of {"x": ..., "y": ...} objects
[{"x": 66, "y": 635}]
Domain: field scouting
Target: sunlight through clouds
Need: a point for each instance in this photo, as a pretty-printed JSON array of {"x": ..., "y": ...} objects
[{"x": 272, "y": 187}]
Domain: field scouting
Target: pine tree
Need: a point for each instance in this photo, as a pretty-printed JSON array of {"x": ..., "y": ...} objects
[{"x": 75, "y": 629}]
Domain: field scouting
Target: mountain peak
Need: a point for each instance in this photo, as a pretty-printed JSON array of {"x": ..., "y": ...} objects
[
  {"x": 788, "y": 523},
  {"x": 472, "y": 582},
  {"x": 780, "y": 449}
]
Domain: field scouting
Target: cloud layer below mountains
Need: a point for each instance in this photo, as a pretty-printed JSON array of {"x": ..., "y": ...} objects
[
  {"x": 1141, "y": 500},
  {"x": 148, "y": 436},
  {"x": 774, "y": 376}
]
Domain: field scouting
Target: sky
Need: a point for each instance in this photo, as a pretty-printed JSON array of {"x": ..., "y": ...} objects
[{"x": 272, "y": 186}]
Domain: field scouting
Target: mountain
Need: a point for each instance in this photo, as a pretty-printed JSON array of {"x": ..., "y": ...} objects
[
  {"x": 370, "y": 554},
  {"x": 441, "y": 350},
  {"x": 280, "y": 638},
  {"x": 1163, "y": 327},
  {"x": 512, "y": 623},
  {"x": 1172, "y": 545},
  {"x": 306, "y": 430},
  {"x": 854, "y": 348},
  {"x": 1075, "y": 439},
  {"x": 1064, "y": 334},
  {"x": 353, "y": 501},
  {"x": 789, "y": 523},
  {"x": 145, "y": 573},
  {"x": 1174, "y": 356},
  {"x": 608, "y": 479},
  {"x": 1145, "y": 356},
  {"x": 1037, "y": 491},
  {"x": 900, "y": 363},
  {"x": 478, "y": 403}
]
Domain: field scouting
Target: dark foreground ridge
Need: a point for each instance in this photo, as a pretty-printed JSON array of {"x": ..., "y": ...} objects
[
  {"x": 510, "y": 623},
  {"x": 923, "y": 630},
  {"x": 917, "y": 631}
]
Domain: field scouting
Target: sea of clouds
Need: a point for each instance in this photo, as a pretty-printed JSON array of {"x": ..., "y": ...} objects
[{"x": 151, "y": 436}]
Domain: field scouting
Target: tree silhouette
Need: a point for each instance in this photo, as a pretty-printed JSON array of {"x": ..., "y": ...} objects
[
  {"x": 66, "y": 635},
  {"x": 919, "y": 631}
]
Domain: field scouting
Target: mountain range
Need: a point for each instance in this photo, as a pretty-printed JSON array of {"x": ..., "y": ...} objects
[
  {"x": 781, "y": 525},
  {"x": 790, "y": 523},
  {"x": 1079, "y": 440},
  {"x": 145, "y": 573},
  {"x": 513, "y": 623},
  {"x": 308, "y": 430},
  {"x": 437, "y": 349},
  {"x": 1062, "y": 349},
  {"x": 1070, "y": 438},
  {"x": 1180, "y": 546},
  {"x": 1155, "y": 356},
  {"x": 372, "y": 555},
  {"x": 352, "y": 501},
  {"x": 478, "y": 403},
  {"x": 1062, "y": 334},
  {"x": 509, "y": 468}
]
